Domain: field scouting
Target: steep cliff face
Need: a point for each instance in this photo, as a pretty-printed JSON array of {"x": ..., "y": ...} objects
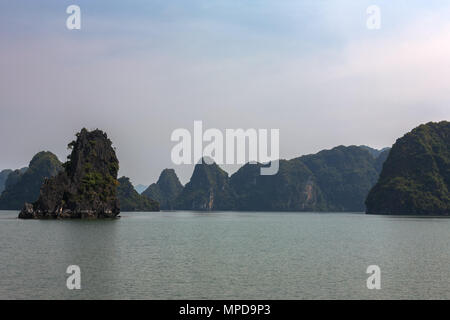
[
  {"x": 381, "y": 159},
  {"x": 166, "y": 190},
  {"x": 331, "y": 180},
  {"x": 208, "y": 189},
  {"x": 23, "y": 185},
  {"x": 131, "y": 200},
  {"x": 293, "y": 188},
  {"x": 415, "y": 179},
  {"x": 344, "y": 175},
  {"x": 87, "y": 188}
]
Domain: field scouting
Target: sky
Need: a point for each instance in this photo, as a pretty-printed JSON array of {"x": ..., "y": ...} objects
[{"x": 141, "y": 69}]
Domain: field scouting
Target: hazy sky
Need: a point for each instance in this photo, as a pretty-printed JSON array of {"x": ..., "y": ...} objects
[{"x": 140, "y": 69}]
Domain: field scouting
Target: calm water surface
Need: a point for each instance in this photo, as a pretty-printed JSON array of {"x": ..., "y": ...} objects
[{"x": 232, "y": 255}]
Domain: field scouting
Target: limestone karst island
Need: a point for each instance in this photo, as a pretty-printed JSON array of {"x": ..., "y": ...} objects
[{"x": 411, "y": 178}]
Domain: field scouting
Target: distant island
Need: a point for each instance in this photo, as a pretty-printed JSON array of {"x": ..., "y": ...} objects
[
  {"x": 24, "y": 185},
  {"x": 165, "y": 190},
  {"x": 412, "y": 178},
  {"x": 131, "y": 200},
  {"x": 334, "y": 180}
]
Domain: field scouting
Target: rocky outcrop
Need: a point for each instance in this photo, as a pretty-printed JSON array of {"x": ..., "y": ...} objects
[
  {"x": 415, "y": 179},
  {"x": 23, "y": 185},
  {"x": 87, "y": 188},
  {"x": 381, "y": 159},
  {"x": 131, "y": 200},
  {"x": 208, "y": 189},
  {"x": 293, "y": 188},
  {"x": 166, "y": 190},
  {"x": 344, "y": 175}
]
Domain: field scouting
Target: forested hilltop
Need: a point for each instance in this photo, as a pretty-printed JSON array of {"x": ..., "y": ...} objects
[
  {"x": 23, "y": 185},
  {"x": 415, "y": 179},
  {"x": 165, "y": 190}
]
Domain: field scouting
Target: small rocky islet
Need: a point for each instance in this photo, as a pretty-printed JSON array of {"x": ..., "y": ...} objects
[{"x": 86, "y": 188}]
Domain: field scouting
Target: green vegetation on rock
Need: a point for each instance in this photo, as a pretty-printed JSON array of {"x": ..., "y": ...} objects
[
  {"x": 379, "y": 161},
  {"x": 344, "y": 175},
  {"x": 166, "y": 190},
  {"x": 14, "y": 177},
  {"x": 208, "y": 189},
  {"x": 131, "y": 200},
  {"x": 87, "y": 188},
  {"x": 415, "y": 179},
  {"x": 331, "y": 180},
  {"x": 23, "y": 185},
  {"x": 374, "y": 152},
  {"x": 293, "y": 188}
]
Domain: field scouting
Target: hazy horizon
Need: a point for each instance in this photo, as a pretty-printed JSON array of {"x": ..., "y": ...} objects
[{"x": 141, "y": 69}]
